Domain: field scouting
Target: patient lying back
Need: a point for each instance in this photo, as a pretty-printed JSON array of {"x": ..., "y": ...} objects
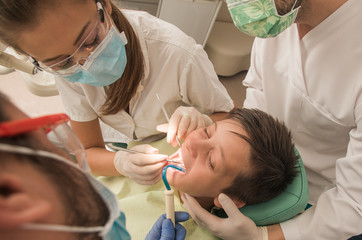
[{"x": 249, "y": 156}]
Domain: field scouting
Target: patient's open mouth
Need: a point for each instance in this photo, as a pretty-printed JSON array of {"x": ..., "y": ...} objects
[{"x": 176, "y": 159}]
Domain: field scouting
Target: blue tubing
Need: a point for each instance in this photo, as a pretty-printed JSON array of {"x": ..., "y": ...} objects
[{"x": 164, "y": 170}]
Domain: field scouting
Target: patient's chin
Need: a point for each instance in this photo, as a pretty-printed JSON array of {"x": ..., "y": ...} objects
[{"x": 174, "y": 177}]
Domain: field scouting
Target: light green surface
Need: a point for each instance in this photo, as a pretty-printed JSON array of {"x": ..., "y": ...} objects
[
  {"x": 161, "y": 144},
  {"x": 143, "y": 205}
]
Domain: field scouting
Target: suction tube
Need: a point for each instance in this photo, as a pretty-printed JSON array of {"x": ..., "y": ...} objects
[
  {"x": 164, "y": 171},
  {"x": 169, "y": 193}
]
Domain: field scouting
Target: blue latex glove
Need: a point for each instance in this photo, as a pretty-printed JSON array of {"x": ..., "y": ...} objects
[{"x": 163, "y": 228}]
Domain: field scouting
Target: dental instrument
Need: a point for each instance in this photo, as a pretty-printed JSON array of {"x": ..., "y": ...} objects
[
  {"x": 11, "y": 62},
  {"x": 169, "y": 193},
  {"x": 166, "y": 115},
  {"x": 134, "y": 152}
]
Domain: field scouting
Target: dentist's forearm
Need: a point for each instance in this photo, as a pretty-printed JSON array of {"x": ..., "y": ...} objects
[{"x": 101, "y": 162}]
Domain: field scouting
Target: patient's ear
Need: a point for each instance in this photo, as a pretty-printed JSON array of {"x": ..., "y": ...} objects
[
  {"x": 17, "y": 206},
  {"x": 238, "y": 203}
]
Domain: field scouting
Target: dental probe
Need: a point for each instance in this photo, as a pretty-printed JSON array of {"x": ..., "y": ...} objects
[
  {"x": 166, "y": 115},
  {"x": 134, "y": 152}
]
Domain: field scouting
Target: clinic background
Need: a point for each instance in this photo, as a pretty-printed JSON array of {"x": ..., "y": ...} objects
[{"x": 227, "y": 48}]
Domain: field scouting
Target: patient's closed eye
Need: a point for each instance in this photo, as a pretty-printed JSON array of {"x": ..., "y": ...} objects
[
  {"x": 210, "y": 163},
  {"x": 207, "y": 134}
]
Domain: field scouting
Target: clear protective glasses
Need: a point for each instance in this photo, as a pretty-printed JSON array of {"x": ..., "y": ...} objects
[
  {"x": 58, "y": 132},
  {"x": 92, "y": 41}
]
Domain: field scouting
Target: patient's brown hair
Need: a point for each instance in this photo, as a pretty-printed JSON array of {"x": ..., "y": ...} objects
[{"x": 272, "y": 157}]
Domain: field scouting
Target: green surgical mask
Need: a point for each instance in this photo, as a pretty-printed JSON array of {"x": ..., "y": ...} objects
[{"x": 260, "y": 18}]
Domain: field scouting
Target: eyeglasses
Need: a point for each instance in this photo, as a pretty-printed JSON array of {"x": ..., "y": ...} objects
[
  {"x": 17, "y": 127},
  {"x": 92, "y": 41},
  {"x": 58, "y": 132}
]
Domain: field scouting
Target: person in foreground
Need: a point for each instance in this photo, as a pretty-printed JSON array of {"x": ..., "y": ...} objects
[
  {"x": 308, "y": 76},
  {"x": 44, "y": 194},
  {"x": 250, "y": 156},
  {"x": 109, "y": 64}
]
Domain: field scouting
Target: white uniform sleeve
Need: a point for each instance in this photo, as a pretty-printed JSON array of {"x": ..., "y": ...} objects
[
  {"x": 75, "y": 101},
  {"x": 338, "y": 212},
  {"x": 253, "y": 83},
  {"x": 200, "y": 86}
]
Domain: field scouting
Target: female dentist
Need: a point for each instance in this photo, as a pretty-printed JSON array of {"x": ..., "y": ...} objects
[{"x": 110, "y": 63}]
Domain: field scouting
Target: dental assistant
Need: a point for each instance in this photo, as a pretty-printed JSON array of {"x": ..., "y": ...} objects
[
  {"x": 310, "y": 77},
  {"x": 110, "y": 63}
]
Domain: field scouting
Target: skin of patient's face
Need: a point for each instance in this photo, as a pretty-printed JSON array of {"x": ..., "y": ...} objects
[{"x": 212, "y": 157}]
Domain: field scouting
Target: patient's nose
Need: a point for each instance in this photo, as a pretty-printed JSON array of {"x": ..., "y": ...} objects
[{"x": 198, "y": 147}]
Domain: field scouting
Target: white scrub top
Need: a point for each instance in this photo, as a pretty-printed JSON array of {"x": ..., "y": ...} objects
[
  {"x": 176, "y": 68},
  {"x": 314, "y": 85}
]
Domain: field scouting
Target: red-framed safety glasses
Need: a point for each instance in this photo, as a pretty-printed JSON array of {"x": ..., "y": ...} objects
[
  {"x": 16, "y": 127},
  {"x": 57, "y": 130}
]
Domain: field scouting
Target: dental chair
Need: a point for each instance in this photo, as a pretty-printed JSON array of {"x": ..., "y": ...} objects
[{"x": 228, "y": 48}]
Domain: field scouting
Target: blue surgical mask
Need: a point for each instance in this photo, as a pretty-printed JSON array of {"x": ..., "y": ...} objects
[
  {"x": 114, "y": 229},
  {"x": 106, "y": 63}
]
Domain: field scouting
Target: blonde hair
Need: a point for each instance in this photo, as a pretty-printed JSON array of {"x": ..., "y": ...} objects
[{"x": 17, "y": 16}]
